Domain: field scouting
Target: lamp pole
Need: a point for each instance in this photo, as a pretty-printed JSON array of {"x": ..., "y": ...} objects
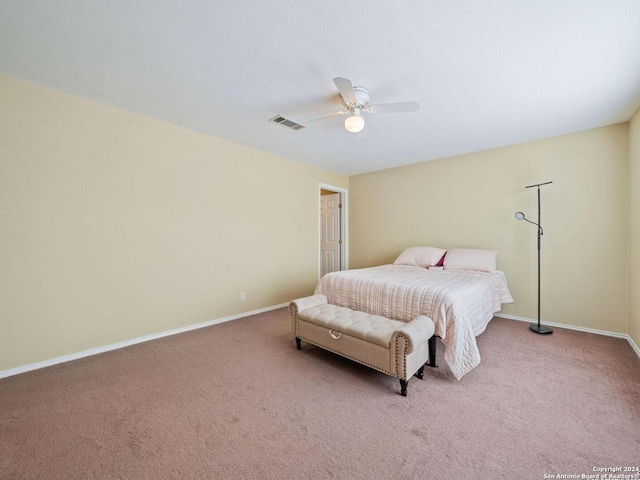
[{"x": 538, "y": 328}]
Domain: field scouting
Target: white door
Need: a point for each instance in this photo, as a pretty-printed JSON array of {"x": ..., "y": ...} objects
[{"x": 330, "y": 234}]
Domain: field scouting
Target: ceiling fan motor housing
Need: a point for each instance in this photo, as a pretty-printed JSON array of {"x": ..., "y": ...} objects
[{"x": 362, "y": 95}]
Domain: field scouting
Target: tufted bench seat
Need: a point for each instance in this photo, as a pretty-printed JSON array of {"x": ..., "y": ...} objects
[{"x": 396, "y": 348}]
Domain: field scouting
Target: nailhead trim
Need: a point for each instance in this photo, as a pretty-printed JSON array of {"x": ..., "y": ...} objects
[
  {"x": 293, "y": 310},
  {"x": 351, "y": 358},
  {"x": 404, "y": 357}
]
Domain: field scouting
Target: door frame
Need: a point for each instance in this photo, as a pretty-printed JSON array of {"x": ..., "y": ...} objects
[{"x": 344, "y": 225}]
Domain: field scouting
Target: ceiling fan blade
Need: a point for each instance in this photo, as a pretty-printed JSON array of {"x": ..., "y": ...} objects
[
  {"x": 345, "y": 87},
  {"x": 324, "y": 116},
  {"x": 394, "y": 107}
]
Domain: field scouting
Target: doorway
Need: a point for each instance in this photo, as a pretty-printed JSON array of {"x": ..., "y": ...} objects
[{"x": 332, "y": 227}]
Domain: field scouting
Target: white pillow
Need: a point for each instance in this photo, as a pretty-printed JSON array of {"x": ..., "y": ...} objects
[
  {"x": 470, "y": 259},
  {"x": 420, "y": 256}
]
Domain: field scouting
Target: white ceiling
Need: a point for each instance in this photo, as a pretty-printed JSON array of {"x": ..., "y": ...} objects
[{"x": 487, "y": 73}]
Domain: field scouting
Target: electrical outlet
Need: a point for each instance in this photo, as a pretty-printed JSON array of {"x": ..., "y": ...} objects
[{"x": 242, "y": 297}]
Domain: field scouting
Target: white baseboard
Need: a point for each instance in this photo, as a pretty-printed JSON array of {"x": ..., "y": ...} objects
[
  {"x": 127, "y": 343},
  {"x": 154, "y": 336},
  {"x": 573, "y": 327}
]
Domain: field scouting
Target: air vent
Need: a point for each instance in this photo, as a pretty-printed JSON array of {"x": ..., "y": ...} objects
[{"x": 287, "y": 122}]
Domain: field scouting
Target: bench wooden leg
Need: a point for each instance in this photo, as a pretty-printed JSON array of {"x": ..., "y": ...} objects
[
  {"x": 298, "y": 344},
  {"x": 403, "y": 387},
  {"x": 432, "y": 352},
  {"x": 420, "y": 373}
]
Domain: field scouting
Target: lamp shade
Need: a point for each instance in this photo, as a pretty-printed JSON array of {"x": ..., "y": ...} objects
[{"x": 354, "y": 123}]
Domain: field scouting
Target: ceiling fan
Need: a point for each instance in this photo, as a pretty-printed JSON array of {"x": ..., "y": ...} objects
[{"x": 356, "y": 101}]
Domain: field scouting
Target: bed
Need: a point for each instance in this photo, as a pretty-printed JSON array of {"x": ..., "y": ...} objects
[{"x": 460, "y": 302}]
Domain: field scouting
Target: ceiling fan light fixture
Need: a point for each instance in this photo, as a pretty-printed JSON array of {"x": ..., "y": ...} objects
[
  {"x": 355, "y": 100},
  {"x": 354, "y": 123}
]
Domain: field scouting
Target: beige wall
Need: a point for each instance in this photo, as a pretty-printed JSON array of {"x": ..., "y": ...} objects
[
  {"x": 470, "y": 201},
  {"x": 115, "y": 226},
  {"x": 634, "y": 238}
]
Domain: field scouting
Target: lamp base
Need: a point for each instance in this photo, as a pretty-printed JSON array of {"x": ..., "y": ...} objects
[{"x": 539, "y": 329}]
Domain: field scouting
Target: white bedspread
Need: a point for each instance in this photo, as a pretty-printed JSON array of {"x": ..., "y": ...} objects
[{"x": 461, "y": 303}]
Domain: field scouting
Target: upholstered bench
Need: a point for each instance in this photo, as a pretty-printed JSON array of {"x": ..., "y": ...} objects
[{"x": 396, "y": 348}]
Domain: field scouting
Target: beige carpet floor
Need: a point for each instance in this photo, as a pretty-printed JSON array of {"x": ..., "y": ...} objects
[{"x": 238, "y": 401}]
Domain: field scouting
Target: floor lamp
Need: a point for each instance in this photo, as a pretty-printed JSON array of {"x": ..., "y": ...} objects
[{"x": 520, "y": 216}]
